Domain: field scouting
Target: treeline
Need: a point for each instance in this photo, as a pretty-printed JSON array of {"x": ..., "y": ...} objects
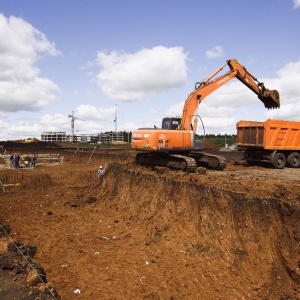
[
  {"x": 220, "y": 140},
  {"x": 218, "y": 136}
]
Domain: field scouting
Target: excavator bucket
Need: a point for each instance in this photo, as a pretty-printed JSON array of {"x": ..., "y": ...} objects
[{"x": 270, "y": 99}]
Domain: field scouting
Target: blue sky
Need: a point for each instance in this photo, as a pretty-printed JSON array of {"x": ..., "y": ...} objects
[{"x": 139, "y": 60}]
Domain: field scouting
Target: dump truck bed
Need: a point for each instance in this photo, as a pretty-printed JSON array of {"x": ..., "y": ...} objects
[{"x": 271, "y": 134}]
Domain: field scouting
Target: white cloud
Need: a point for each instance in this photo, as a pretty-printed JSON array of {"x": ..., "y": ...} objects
[
  {"x": 153, "y": 111},
  {"x": 289, "y": 111},
  {"x": 54, "y": 122},
  {"x": 90, "y": 112},
  {"x": 21, "y": 129},
  {"x": 288, "y": 83},
  {"x": 21, "y": 87},
  {"x": 296, "y": 4},
  {"x": 215, "y": 52},
  {"x": 28, "y": 96},
  {"x": 27, "y": 129},
  {"x": 217, "y": 125},
  {"x": 130, "y": 77}
]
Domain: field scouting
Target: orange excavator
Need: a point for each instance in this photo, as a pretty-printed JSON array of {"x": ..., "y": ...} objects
[{"x": 175, "y": 145}]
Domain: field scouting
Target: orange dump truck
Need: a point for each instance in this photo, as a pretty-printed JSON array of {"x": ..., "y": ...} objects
[{"x": 276, "y": 142}]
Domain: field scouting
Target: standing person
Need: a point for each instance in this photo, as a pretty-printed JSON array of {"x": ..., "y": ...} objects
[
  {"x": 12, "y": 161},
  {"x": 27, "y": 161},
  {"x": 17, "y": 160},
  {"x": 33, "y": 161},
  {"x": 101, "y": 172}
]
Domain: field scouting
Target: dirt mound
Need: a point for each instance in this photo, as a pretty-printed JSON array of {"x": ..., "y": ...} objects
[
  {"x": 210, "y": 145},
  {"x": 158, "y": 234}
]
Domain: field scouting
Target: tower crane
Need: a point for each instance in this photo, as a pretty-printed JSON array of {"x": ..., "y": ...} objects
[{"x": 73, "y": 118}]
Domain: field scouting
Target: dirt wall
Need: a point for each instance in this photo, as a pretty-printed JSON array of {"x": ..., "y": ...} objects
[{"x": 223, "y": 242}]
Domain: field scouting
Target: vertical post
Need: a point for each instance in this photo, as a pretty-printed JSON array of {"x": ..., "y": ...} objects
[
  {"x": 91, "y": 155},
  {"x": 116, "y": 128},
  {"x": 72, "y": 127}
]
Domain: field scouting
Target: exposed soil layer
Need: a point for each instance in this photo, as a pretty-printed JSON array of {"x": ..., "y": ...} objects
[{"x": 144, "y": 233}]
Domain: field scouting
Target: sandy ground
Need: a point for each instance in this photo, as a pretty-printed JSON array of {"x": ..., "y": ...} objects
[{"x": 146, "y": 234}]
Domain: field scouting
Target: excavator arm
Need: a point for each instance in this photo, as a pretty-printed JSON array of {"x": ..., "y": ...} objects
[{"x": 270, "y": 98}]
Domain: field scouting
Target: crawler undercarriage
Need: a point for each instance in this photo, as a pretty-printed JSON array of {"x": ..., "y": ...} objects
[{"x": 186, "y": 162}]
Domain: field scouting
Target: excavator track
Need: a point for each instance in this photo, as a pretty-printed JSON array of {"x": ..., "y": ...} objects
[
  {"x": 208, "y": 160},
  {"x": 187, "y": 163},
  {"x": 172, "y": 161}
]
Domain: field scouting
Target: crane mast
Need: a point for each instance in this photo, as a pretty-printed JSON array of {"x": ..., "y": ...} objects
[{"x": 73, "y": 118}]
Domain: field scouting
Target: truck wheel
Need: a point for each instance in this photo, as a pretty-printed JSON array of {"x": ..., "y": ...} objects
[
  {"x": 279, "y": 161},
  {"x": 293, "y": 160}
]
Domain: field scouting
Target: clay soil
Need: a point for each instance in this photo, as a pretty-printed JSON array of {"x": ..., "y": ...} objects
[{"x": 144, "y": 233}]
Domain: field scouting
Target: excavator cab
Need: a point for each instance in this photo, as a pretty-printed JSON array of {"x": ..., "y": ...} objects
[{"x": 170, "y": 123}]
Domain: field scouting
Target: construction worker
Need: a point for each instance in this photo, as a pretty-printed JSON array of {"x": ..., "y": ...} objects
[
  {"x": 101, "y": 172},
  {"x": 33, "y": 161},
  {"x": 1, "y": 185},
  {"x": 12, "y": 161},
  {"x": 16, "y": 160},
  {"x": 27, "y": 161}
]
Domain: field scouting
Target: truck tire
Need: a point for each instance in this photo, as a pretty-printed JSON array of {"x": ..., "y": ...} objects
[
  {"x": 279, "y": 161},
  {"x": 293, "y": 160}
]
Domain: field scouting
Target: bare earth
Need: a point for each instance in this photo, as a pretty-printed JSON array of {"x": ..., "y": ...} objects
[{"x": 152, "y": 234}]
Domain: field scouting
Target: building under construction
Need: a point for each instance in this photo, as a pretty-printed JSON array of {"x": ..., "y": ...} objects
[
  {"x": 59, "y": 136},
  {"x": 105, "y": 138}
]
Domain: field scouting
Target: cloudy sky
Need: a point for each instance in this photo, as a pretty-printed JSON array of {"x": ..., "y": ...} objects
[{"x": 138, "y": 61}]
